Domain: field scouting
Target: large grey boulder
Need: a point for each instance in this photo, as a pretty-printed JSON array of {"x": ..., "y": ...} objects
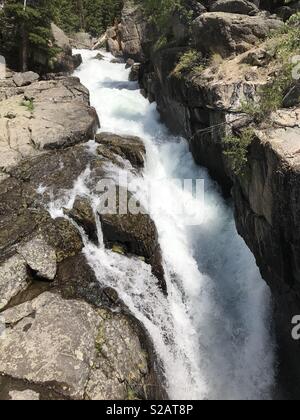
[
  {"x": 49, "y": 114},
  {"x": 113, "y": 41},
  {"x": 36, "y": 255},
  {"x": 228, "y": 33},
  {"x": 135, "y": 73},
  {"x": 287, "y": 10},
  {"x": 271, "y": 5},
  {"x": 64, "y": 61},
  {"x": 136, "y": 233},
  {"x": 82, "y": 40},
  {"x": 40, "y": 257},
  {"x": 113, "y": 46},
  {"x": 24, "y": 79},
  {"x": 75, "y": 279},
  {"x": 42, "y": 346},
  {"x": 128, "y": 147},
  {"x": 67, "y": 63},
  {"x": 60, "y": 38},
  {"x": 82, "y": 213}
]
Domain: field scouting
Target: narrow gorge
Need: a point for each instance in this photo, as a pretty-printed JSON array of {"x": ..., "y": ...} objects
[{"x": 190, "y": 295}]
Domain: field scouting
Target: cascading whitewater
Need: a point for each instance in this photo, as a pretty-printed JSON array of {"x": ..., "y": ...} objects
[{"x": 212, "y": 332}]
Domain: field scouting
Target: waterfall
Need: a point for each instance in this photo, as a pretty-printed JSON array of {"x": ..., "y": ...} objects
[{"x": 212, "y": 333}]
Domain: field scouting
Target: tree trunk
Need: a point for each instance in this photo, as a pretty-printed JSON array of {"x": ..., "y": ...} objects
[
  {"x": 81, "y": 14},
  {"x": 24, "y": 49}
]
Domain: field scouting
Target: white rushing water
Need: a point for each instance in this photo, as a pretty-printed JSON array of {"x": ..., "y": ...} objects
[{"x": 212, "y": 333}]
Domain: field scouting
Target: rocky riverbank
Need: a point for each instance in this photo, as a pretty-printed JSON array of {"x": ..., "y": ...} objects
[{"x": 48, "y": 292}]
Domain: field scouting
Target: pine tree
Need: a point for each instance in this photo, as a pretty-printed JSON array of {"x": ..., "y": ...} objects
[
  {"x": 65, "y": 15},
  {"x": 25, "y": 33},
  {"x": 93, "y": 16}
]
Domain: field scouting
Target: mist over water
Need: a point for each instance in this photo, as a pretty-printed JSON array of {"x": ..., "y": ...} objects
[{"x": 212, "y": 334}]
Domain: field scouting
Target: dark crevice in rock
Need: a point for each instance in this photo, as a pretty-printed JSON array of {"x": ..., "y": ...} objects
[{"x": 33, "y": 290}]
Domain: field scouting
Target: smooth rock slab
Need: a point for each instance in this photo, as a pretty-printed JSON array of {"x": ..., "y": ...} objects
[
  {"x": 60, "y": 38},
  {"x": 120, "y": 363},
  {"x": 73, "y": 349},
  {"x": 53, "y": 341},
  {"x": 60, "y": 116}
]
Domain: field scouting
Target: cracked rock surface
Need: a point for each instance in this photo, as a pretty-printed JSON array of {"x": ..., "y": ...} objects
[
  {"x": 13, "y": 279},
  {"x": 60, "y": 334},
  {"x": 42, "y": 346},
  {"x": 40, "y": 257},
  {"x": 44, "y": 115}
]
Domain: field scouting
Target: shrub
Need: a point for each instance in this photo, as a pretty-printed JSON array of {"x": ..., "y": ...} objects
[
  {"x": 159, "y": 11},
  {"x": 199, "y": 69},
  {"x": 271, "y": 96},
  {"x": 25, "y": 34},
  {"x": 29, "y": 104},
  {"x": 236, "y": 150},
  {"x": 190, "y": 60},
  {"x": 285, "y": 44},
  {"x": 160, "y": 43}
]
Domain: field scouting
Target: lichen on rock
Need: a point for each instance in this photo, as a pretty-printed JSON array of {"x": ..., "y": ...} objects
[{"x": 42, "y": 346}]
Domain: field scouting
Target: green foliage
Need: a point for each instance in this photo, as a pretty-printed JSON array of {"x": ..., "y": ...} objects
[
  {"x": 131, "y": 394},
  {"x": 102, "y": 15},
  {"x": 271, "y": 96},
  {"x": 66, "y": 15},
  {"x": 28, "y": 104},
  {"x": 93, "y": 16},
  {"x": 236, "y": 150},
  {"x": 160, "y": 43},
  {"x": 285, "y": 44},
  {"x": 25, "y": 34},
  {"x": 287, "y": 38},
  {"x": 190, "y": 60},
  {"x": 199, "y": 69},
  {"x": 26, "y": 31},
  {"x": 159, "y": 12}
]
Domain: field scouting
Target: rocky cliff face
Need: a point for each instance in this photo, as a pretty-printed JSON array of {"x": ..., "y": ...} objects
[
  {"x": 267, "y": 215},
  {"x": 201, "y": 96}
]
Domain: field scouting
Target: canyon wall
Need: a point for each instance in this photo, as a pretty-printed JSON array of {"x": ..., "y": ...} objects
[{"x": 204, "y": 102}]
